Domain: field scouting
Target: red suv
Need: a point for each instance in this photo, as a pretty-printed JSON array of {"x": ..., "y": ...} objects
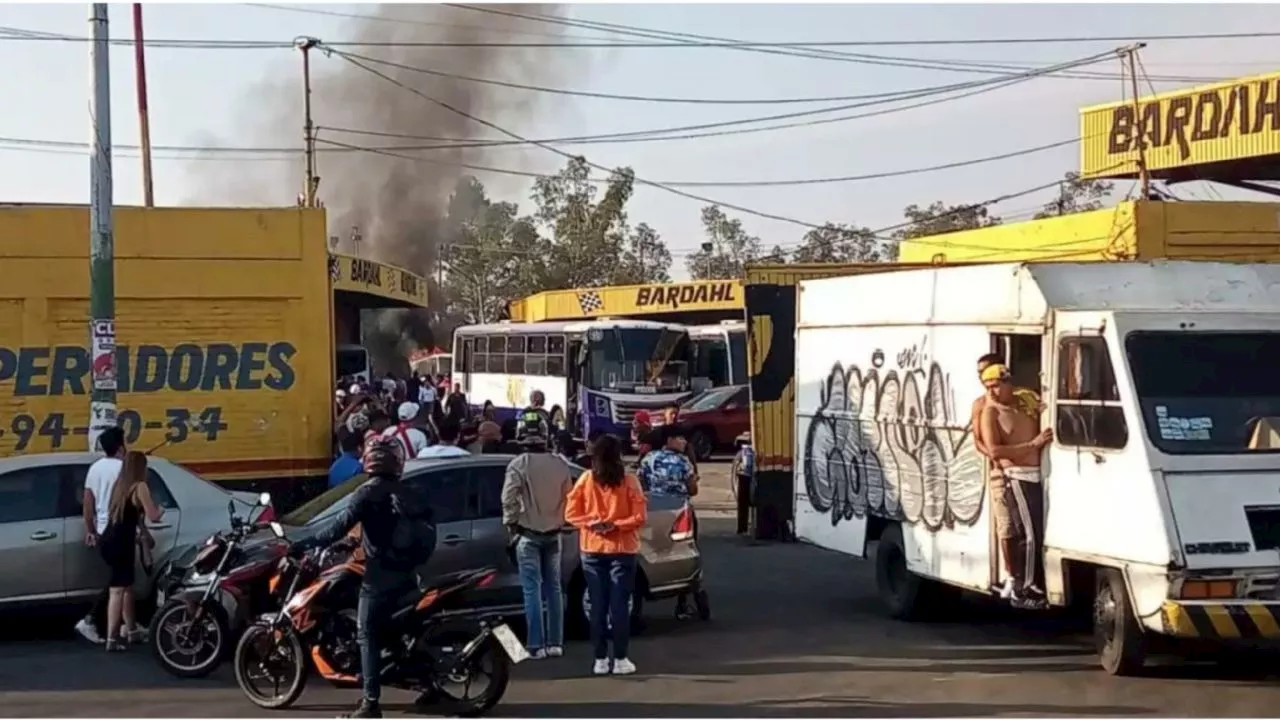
[{"x": 715, "y": 418}]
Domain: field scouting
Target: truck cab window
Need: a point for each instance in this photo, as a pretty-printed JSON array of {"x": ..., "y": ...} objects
[{"x": 1089, "y": 414}]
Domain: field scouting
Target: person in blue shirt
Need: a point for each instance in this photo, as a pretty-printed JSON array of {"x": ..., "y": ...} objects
[
  {"x": 668, "y": 471},
  {"x": 347, "y": 465}
]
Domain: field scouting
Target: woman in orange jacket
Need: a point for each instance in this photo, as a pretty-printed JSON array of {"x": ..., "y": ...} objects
[{"x": 608, "y": 507}]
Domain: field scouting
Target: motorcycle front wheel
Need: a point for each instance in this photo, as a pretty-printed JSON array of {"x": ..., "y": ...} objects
[
  {"x": 189, "y": 641},
  {"x": 271, "y": 667}
]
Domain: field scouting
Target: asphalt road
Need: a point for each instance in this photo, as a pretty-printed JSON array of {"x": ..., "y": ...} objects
[{"x": 796, "y": 631}]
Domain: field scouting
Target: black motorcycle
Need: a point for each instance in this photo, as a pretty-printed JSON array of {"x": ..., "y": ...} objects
[
  {"x": 426, "y": 651},
  {"x": 204, "y": 605}
]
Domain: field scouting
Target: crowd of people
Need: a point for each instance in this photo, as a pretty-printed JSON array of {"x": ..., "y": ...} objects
[{"x": 607, "y": 504}]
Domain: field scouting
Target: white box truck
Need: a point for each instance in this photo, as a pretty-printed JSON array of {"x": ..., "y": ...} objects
[{"x": 1161, "y": 487}]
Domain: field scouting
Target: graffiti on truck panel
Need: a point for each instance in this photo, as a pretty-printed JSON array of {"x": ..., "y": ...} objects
[{"x": 889, "y": 442}]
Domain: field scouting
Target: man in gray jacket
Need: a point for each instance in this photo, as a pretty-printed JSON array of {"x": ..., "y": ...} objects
[{"x": 533, "y": 500}]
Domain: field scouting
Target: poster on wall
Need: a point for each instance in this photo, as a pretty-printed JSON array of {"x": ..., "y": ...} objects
[{"x": 103, "y": 333}]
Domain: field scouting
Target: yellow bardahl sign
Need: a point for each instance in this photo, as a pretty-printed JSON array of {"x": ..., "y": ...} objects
[
  {"x": 629, "y": 301},
  {"x": 358, "y": 275},
  {"x": 1231, "y": 121}
]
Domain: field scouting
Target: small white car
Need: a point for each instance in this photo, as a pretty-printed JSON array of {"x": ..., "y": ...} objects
[{"x": 43, "y": 558}]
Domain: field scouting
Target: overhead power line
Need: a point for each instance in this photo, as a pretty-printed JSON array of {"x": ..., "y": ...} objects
[
  {"x": 15, "y": 34},
  {"x": 695, "y": 40},
  {"x": 250, "y": 154},
  {"x": 690, "y": 131},
  {"x": 638, "y": 180}
]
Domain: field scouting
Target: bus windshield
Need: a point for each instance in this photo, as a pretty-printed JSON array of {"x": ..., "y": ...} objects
[
  {"x": 637, "y": 360},
  {"x": 738, "y": 357},
  {"x": 352, "y": 361}
]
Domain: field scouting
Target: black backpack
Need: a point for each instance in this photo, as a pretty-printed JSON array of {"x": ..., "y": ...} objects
[{"x": 413, "y": 532}]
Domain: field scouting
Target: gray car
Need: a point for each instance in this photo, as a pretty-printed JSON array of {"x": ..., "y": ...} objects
[
  {"x": 43, "y": 558},
  {"x": 466, "y": 494}
]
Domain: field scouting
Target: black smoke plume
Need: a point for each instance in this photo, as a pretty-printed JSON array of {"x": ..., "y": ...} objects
[{"x": 387, "y": 208}]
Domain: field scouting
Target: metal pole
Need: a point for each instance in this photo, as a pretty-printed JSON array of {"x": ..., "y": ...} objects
[
  {"x": 144, "y": 115},
  {"x": 312, "y": 181},
  {"x": 1138, "y": 124},
  {"x": 102, "y": 281}
]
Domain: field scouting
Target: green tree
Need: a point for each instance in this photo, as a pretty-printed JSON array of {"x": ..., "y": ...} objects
[
  {"x": 484, "y": 254},
  {"x": 590, "y": 242},
  {"x": 1076, "y": 195},
  {"x": 645, "y": 258},
  {"x": 728, "y": 250},
  {"x": 839, "y": 243},
  {"x": 940, "y": 218}
]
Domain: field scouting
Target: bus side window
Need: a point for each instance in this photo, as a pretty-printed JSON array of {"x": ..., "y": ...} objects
[
  {"x": 1089, "y": 414},
  {"x": 464, "y": 360},
  {"x": 535, "y": 359},
  {"x": 497, "y": 354},
  {"x": 555, "y": 355}
]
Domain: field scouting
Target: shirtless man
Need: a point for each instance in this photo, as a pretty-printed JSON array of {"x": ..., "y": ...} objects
[
  {"x": 995, "y": 486},
  {"x": 1010, "y": 431}
]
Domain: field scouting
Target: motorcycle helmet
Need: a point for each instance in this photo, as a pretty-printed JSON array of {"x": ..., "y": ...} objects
[{"x": 383, "y": 458}]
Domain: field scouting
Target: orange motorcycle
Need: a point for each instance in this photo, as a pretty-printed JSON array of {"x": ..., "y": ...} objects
[{"x": 426, "y": 649}]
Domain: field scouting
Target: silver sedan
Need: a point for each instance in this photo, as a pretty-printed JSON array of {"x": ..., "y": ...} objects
[{"x": 43, "y": 557}]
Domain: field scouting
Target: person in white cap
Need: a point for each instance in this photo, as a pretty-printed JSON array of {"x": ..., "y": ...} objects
[{"x": 410, "y": 438}]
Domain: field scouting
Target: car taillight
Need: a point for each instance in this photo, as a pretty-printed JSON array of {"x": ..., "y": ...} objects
[
  {"x": 682, "y": 528},
  {"x": 487, "y": 580}
]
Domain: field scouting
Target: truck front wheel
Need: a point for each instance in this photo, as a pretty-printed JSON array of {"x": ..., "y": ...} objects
[{"x": 1117, "y": 634}]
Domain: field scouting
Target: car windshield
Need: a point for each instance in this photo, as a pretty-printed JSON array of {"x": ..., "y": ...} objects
[
  {"x": 709, "y": 400},
  {"x": 324, "y": 505},
  {"x": 1208, "y": 392},
  {"x": 637, "y": 359}
]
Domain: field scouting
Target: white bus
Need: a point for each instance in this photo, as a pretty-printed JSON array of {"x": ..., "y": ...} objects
[
  {"x": 433, "y": 365},
  {"x": 720, "y": 354},
  {"x": 595, "y": 374},
  {"x": 353, "y": 363}
]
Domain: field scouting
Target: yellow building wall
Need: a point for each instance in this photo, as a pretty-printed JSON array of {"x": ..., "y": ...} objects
[
  {"x": 1226, "y": 231},
  {"x": 223, "y": 330}
]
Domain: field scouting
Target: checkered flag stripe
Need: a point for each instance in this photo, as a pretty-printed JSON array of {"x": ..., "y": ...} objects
[{"x": 590, "y": 302}]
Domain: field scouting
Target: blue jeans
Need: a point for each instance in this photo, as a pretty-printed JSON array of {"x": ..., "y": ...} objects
[
  {"x": 376, "y": 605},
  {"x": 538, "y": 558},
  {"x": 610, "y": 579}
]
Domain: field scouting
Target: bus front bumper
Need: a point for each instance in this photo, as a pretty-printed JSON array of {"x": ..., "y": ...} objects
[{"x": 1222, "y": 620}]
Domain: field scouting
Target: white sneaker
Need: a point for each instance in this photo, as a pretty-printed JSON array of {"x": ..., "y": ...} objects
[
  {"x": 555, "y": 651},
  {"x": 602, "y": 667},
  {"x": 1007, "y": 590},
  {"x": 538, "y": 654},
  {"x": 623, "y": 666},
  {"x": 88, "y": 631}
]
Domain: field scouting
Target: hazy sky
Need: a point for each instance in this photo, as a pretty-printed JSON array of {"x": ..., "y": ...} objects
[{"x": 200, "y": 97}]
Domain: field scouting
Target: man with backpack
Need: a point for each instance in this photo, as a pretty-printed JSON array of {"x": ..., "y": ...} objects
[{"x": 398, "y": 536}]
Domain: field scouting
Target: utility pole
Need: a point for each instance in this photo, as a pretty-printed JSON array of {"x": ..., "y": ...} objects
[
  {"x": 102, "y": 280},
  {"x": 1140, "y": 127},
  {"x": 144, "y": 114},
  {"x": 311, "y": 184}
]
